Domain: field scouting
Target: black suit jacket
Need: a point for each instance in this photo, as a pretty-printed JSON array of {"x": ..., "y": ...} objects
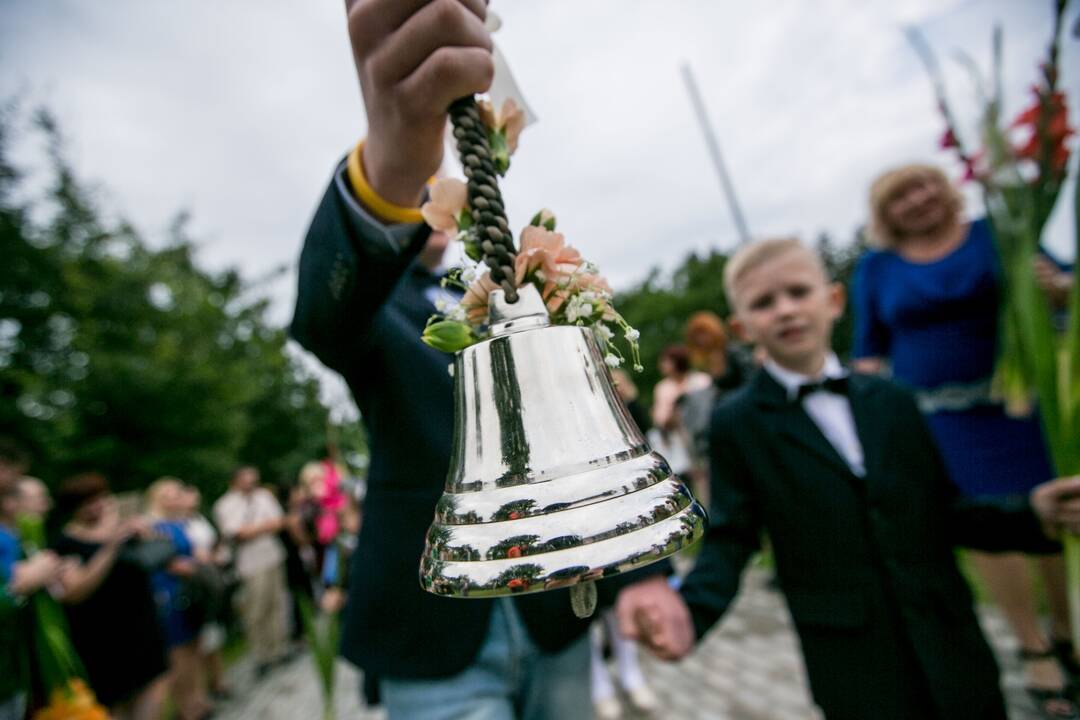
[
  {"x": 866, "y": 564},
  {"x": 361, "y": 307}
]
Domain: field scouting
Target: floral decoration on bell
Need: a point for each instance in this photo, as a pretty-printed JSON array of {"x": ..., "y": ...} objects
[{"x": 571, "y": 287}]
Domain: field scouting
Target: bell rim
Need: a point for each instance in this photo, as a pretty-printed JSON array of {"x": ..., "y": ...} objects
[{"x": 612, "y": 556}]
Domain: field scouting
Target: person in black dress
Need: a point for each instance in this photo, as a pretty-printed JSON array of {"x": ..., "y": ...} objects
[{"x": 109, "y": 602}]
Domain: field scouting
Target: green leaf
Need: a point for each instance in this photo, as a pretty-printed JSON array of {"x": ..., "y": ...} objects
[
  {"x": 500, "y": 150},
  {"x": 465, "y": 220}
]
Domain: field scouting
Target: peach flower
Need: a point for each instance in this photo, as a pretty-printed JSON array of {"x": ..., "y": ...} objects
[
  {"x": 448, "y": 198},
  {"x": 547, "y": 251},
  {"x": 475, "y": 301},
  {"x": 510, "y": 119}
]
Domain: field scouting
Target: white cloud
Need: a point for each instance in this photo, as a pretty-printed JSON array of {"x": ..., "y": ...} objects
[{"x": 238, "y": 110}]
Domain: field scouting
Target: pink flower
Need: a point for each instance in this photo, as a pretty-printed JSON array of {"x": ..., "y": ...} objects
[
  {"x": 449, "y": 197},
  {"x": 596, "y": 283},
  {"x": 475, "y": 302},
  {"x": 547, "y": 251},
  {"x": 510, "y": 119}
]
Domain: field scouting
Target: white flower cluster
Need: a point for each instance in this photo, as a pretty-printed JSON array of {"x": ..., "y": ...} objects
[{"x": 450, "y": 310}]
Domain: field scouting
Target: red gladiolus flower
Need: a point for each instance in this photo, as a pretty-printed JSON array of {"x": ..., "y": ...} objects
[
  {"x": 1055, "y": 132},
  {"x": 974, "y": 167},
  {"x": 948, "y": 140}
]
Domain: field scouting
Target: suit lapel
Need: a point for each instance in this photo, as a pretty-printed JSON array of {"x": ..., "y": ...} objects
[
  {"x": 793, "y": 424},
  {"x": 869, "y": 425}
]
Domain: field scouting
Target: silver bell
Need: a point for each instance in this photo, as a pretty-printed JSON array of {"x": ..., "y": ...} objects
[{"x": 551, "y": 483}]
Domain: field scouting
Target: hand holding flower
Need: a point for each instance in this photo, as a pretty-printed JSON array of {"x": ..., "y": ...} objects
[{"x": 1057, "y": 503}]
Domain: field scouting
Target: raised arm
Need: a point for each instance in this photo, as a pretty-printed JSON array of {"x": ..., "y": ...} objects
[{"x": 413, "y": 58}]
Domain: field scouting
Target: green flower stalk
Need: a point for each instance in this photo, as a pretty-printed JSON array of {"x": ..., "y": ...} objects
[
  {"x": 1021, "y": 183},
  {"x": 56, "y": 659},
  {"x": 323, "y": 633}
]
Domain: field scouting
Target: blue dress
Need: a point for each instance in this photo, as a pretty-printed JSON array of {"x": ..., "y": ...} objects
[
  {"x": 9, "y": 554},
  {"x": 178, "y": 630},
  {"x": 936, "y": 322}
]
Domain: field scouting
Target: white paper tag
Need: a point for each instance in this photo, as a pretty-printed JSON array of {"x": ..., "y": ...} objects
[{"x": 504, "y": 85}]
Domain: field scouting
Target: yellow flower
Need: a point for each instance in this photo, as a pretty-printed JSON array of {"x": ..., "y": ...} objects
[
  {"x": 448, "y": 198},
  {"x": 75, "y": 702}
]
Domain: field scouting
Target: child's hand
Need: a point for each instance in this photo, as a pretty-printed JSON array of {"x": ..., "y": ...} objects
[
  {"x": 414, "y": 58},
  {"x": 1057, "y": 503},
  {"x": 654, "y": 614}
]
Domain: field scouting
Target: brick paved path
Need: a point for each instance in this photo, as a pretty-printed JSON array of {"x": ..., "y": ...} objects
[{"x": 747, "y": 668}]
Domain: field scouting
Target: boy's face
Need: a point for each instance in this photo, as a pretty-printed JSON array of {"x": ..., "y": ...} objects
[{"x": 787, "y": 307}]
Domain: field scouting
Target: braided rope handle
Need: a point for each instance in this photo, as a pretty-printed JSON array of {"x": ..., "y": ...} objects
[{"x": 485, "y": 199}]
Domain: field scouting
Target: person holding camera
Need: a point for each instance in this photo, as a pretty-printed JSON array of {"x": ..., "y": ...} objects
[
  {"x": 109, "y": 602},
  {"x": 249, "y": 518}
]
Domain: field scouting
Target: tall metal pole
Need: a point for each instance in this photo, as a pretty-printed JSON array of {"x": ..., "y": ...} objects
[{"x": 714, "y": 151}]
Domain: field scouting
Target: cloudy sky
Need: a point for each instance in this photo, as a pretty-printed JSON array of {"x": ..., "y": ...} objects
[{"x": 238, "y": 110}]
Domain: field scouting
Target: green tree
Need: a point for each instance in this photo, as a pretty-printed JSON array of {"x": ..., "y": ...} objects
[
  {"x": 659, "y": 308},
  {"x": 133, "y": 361}
]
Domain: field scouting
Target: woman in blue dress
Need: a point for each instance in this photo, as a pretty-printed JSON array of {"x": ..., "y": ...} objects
[
  {"x": 167, "y": 508},
  {"x": 926, "y": 307}
]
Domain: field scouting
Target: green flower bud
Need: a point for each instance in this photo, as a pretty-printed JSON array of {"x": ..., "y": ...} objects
[{"x": 448, "y": 335}]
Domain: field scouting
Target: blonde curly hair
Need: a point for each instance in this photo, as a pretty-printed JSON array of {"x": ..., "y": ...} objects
[{"x": 882, "y": 234}]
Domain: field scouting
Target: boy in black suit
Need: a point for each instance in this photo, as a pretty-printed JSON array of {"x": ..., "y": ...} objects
[{"x": 841, "y": 472}]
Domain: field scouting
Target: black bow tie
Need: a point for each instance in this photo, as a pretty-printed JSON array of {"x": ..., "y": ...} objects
[{"x": 837, "y": 385}]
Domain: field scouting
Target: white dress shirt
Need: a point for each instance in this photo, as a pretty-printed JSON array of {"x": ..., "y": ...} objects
[
  {"x": 235, "y": 510},
  {"x": 829, "y": 411}
]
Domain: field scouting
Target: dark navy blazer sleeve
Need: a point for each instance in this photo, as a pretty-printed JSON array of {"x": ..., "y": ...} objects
[
  {"x": 349, "y": 266},
  {"x": 734, "y": 533}
]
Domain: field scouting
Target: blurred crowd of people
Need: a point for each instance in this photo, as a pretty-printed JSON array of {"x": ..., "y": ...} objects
[{"x": 153, "y": 588}]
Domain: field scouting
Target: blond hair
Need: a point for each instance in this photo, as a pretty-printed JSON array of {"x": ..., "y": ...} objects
[
  {"x": 882, "y": 234},
  {"x": 155, "y": 494},
  {"x": 757, "y": 254},
  {"x": 312, "y": 474}
]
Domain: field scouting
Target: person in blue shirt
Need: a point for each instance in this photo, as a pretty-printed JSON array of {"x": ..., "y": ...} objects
[
  {"x": 926, "y": 307},
  {"x": 165, "y": 503},
  {"x": 20, "y": 577}
]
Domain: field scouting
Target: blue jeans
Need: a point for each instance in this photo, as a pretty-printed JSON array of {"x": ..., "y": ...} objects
[
  {"x": 13, "y": 708},
  {"x": 509, "y": 680}
]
